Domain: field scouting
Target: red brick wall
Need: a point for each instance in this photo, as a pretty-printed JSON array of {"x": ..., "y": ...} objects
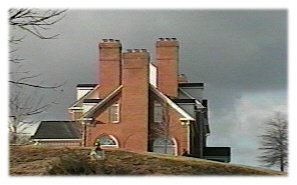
[
  {"x": 103, "y": 126},
  {"x": 167, "y": 65},
  {"x": 178, "y": 131},
  {"x": 175, "y": 129},
  {"x": 131, "y": 131},
  {"x": 135, "y": 80},
  {"x": 109, "y": 66}
]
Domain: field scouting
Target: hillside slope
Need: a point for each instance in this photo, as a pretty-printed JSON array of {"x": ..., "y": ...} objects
[{"x": 30, "y": 160}]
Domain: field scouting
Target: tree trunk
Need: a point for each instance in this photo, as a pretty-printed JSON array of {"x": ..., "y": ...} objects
[
  {"x": 282, "y": 166},
  {"x": 14, "y": 138}
]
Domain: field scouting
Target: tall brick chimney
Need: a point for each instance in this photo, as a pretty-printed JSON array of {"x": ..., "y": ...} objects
[
  {"x": 135, "y": 81},
  {"x": 167, "y": 57},
  {"x": 109, "y": 66}
]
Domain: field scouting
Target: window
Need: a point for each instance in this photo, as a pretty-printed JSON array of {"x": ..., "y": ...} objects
[
  {"x": 114, "y": 113},
  {"x": 158, "y": 112},
  {"x": 107, "y": 140},
  {"x": 164, "y": 146}
]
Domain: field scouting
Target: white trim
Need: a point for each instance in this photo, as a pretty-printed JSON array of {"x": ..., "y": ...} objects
[
  {"x": 173, "y": 105},
  {"x": 75, "y": 108},
  {"x": 153, "y": 74},
  {"x": 85, "y": 121},
  {"x": 117, "y": 113},
  {"x": 184, "y": 121},
  {"x": 189, "y": 139},
  {"x": 86, "y": 88},
  {"x": 175, "y": 144}
]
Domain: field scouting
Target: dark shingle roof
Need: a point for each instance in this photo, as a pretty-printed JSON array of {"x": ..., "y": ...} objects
[
  {"x": 86, "y": 85},
  {"x": 191, "y": 84},
  {"x": 92, "y": 100},
  {"x": 57, "y": 130},
  {"x": 184, "y": 100}
]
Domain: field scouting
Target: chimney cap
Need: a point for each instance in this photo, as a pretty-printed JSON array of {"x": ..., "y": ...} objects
[
  {"x": 110, "y": 40},
  {"x": 167, "y": 39}
]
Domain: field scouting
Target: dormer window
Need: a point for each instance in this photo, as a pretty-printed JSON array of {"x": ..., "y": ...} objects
[{"x": 114, "y": 113}]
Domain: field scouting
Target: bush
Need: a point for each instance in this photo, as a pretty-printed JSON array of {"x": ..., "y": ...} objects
[{"x": 74, "y": 163}]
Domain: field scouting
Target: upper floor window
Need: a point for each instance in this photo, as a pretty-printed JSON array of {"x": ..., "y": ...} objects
[
  {"x": 114, "y": 113},
  {"x": 158, "y": 112}
]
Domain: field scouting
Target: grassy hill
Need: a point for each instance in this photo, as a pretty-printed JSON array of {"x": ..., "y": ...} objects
[{"x": 33, "y": 160}]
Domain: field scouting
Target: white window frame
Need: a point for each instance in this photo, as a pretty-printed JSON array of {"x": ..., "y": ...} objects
[
  {"x": 159, "y": 106},
  {"x": 116, "y": 113}
]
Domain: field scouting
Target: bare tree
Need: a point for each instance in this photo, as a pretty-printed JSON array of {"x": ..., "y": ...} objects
[
  {"x": 274, "y": 142},
  {"x": 26, "y": 97},
  {"x": 24, "y": 104}
]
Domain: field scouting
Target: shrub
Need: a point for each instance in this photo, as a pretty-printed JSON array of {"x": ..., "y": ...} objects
[{"x": 74, "y": 163}]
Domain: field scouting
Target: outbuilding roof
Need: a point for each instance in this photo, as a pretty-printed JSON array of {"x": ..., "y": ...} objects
[{"x": 57, "y": 130}]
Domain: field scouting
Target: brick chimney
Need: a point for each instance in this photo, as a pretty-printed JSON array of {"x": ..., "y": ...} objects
[
  {"x": 135, "y": 81},
  {"x": 167, "y": 58},
  {"x": 109, "y": 66}
]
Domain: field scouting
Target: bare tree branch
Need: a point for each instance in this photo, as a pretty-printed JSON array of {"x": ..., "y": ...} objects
[
  {"x": 24, "y": 103},
  {"x": 37, "y": 86},
  {"x": 33, "y": 20}
]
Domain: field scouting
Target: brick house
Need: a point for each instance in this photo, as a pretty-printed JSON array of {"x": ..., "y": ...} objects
[{"x": 141, "y": 104}]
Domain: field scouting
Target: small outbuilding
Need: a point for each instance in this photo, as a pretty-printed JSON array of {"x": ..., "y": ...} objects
[{"x": 57, "y": 133}]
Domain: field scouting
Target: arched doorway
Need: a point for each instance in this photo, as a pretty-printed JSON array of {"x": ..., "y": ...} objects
[
  {"x": 107, "y": 141},
  {"x": 165, "y": 146}
]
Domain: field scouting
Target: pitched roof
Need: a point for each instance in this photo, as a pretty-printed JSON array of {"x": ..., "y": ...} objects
[
  {"x": 96, "y": 108},
  {"x": 199, "y": 105},
  {"x": 172, "y": 104},
  {"x": 57, "y": 130}
]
